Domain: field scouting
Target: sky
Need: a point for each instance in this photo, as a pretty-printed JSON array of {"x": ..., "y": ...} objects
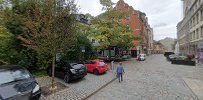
[{"x": 163, "y": 15}]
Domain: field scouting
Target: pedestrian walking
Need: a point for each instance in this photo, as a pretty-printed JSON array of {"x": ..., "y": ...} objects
[{"x": 120, "y": 71}]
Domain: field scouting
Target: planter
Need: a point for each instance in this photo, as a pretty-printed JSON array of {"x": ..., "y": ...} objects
[{"x": 183, "y": 62}]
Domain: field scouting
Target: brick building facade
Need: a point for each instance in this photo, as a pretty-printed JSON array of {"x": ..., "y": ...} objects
[{"x": 138, "y": 22}]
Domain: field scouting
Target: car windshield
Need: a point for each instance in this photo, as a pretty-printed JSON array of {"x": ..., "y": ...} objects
[
  {"x": 142, "y": 55},
  {"x": 13, "y": 75},
  {"x": 76, "y": 66},
  {"x": 101, "y": 63},
  {"x": 172, "y": 55}
]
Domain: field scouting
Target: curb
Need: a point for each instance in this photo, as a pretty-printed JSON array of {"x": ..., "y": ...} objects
[
  {"x": 196, "y": 97},
  {"x": 86, "y": 98}
]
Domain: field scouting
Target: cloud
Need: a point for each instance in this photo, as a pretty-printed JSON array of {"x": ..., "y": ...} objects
[
  {"x": 160, "y": 25},
  {"x": 91, "y": 6},
  {"x": 163, "y": 15}
]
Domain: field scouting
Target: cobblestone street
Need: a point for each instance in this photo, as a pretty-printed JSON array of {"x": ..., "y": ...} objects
[{"x": 153, "y": 79}]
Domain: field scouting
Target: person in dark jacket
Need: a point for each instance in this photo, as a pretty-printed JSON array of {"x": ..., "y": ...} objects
[{"x": 120, "y": 72}]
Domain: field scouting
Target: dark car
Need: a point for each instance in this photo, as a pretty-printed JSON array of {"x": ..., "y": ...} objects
[
  {"x": 68, "y": 71},
  {"x": 17, "y": 83},
  {"x": 166, "y": 54},
  {"x": 171, "y": 57}
]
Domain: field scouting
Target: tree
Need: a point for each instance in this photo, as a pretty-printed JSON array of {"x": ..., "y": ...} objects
[
  {"x": 116, "y": 33},
  {"x": 8, "y": 54},
  {"x": 46, "y": 26},
  {"x": 107, "y": 5},
  {"x": 107, "y": 29}
]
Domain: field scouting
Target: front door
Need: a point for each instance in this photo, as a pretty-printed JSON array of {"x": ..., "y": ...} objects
[{"x": 134, "y": 53}]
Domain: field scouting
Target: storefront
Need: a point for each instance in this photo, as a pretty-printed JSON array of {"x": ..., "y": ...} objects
[
  {"x": 200, "y": 52},
  {"x": 135, "y": 51}
]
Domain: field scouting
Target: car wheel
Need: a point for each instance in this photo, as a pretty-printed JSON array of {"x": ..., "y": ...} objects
[
  {"x": 96, "y": 72},
  {"x": 67, "y": 78}
]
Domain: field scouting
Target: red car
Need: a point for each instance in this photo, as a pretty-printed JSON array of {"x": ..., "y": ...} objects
[{"x": 96, "y": 66}]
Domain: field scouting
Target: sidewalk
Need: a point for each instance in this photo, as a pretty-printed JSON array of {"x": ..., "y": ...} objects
[
  {"x": 199, "y": 65},
  {"x": 80, "y": 89},
  {"x": 196, "y": 86}
]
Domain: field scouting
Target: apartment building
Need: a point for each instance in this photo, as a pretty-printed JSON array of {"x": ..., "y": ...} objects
[
  {"x": 138, "y": 22},
  {"x": 158, "y": 48},
  {"x": 190, "y": 29}
]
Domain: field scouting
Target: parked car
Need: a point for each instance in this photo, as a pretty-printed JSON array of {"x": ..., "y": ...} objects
[
  {"x": 183, "y": 60},
  {"x": 126, "y": 57},
  {"x": 171, "y": 57},
  {"x": 68, "y": 71},
  {"x": 96, "y": 66},
  {"x": 141, "y": 57},
  {"x": 16, "y": 83},
  {"x": 166, "y": 54}
]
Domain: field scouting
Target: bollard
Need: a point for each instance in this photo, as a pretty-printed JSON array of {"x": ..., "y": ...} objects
[{"x": 112, "y": 65}]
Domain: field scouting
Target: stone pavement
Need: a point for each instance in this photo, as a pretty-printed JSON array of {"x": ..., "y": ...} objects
[
  {"x": 79, "y": 89},
  {"x": 196, "y": 86},
  {"x": 153, "y": 79}
]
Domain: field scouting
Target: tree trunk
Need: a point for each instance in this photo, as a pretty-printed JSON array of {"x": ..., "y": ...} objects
[{"x": 53, "y": 73}]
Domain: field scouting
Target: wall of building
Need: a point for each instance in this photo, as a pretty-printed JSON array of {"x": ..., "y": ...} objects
[
  {"x": 138, "y": 22},
  {"x": 190, "y": 29},
  {"x": 158, "y": 48}
]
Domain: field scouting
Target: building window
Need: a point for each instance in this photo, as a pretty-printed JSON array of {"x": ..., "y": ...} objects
[
  {"x": 193, "y": 38},
  {"x": 202, "y": 15},
  {"x": 197, "y": 34},
  {"x": 202, "y": 31},
  {"x": 193, "y": 21},
  {"x": 196, "y": 6},
  {"x": 197, "y": 18}
]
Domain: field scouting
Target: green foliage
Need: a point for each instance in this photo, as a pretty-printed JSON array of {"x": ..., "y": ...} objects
[
  {"x": 37, "y": 30},
  {"x": 110, "y": 32},
  {"x": 28, "y": 58},
  {"x": 39, "y": 73},
  {"x": 139, "y": 38},
  {"x": 45, "y": 26},
  {"x": 8, "y": 54},
  {"x": 108, "y": 29},
  {"x": 43, "y": 61},
  {"x": 107, "y": 4},
  {"x": 75, "y": 53}
]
